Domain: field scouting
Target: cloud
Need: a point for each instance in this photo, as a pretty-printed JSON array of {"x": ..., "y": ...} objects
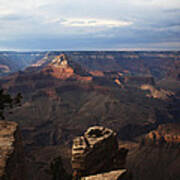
[
  {"x": 172, "y": 10},
  {"x": 73, "y": 22},
  {"x": 5, "y": 12},
  {"x": 87, "y": 23}
]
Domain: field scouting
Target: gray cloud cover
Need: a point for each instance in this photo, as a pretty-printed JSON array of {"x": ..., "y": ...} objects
[{"x": 90, "y": 24}]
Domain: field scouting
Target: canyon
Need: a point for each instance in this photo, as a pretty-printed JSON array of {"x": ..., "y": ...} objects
[{"x": 136, "y": 94}]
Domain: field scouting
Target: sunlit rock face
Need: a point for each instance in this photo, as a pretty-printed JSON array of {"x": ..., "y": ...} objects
[
  {"x": 97, "y": 151},
  {"x": 62, "y": 68},
  {"x": 12, "y": 163},
  {"x": 167, "y": 134},
  {"x": 155, "y": 93},
  {"x": 112, "y": 175},
  {"x": 4, "y": 68},
  {"x": 59, "y": 68}
]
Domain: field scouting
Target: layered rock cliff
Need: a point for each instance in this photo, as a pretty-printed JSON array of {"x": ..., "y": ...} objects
[
  {"x": 138, "y": 63},
  {"x": 59, "y": 68},
  {"x": 164, "y": 134},
  {"x": 158, "y": 155},
  {"x": 12, "y": 163},
  {"x": 96, "y": 152}
]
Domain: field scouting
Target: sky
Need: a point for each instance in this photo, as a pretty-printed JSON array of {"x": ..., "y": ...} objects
[{"x": 89, "y": 25}]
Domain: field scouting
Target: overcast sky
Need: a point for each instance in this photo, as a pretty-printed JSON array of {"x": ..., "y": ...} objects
[{"x": 90, "y": 24}]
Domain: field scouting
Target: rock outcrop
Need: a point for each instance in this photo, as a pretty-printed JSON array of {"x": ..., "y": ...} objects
[
  {"x": 97, "y": 73},
  {"x": 4, "y": 69},
  {"x": 12, "y": 163},
  {"x": 59, "y": 68},
  {"x": 96, "y": 152},
  {"x": 118, "y": 82},
  {"x": 62, "y": 68},
  {"x": 155, "y": 93},
  {"x": 164, "y": 134},
  {"x": 157, "y": 156},
  {"x": 113, "y": 175}
]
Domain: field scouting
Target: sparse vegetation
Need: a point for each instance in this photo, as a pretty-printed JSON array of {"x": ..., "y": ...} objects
[
  {"x": 57, "y": 171},
  {"x": 7, "y": 102}
]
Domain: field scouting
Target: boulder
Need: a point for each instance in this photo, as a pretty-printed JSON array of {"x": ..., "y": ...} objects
[{"x": 97, "y": 151}]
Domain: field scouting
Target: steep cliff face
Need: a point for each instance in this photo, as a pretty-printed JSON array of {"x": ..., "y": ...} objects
[
  {"x": 156, "y": 64},
  {"x": 158, "y": 155},
  {"x": 62, "y": 68},
  {"x": 165, "y": 134},
  {"x": 59, "y": 68},
  {"x": 12, "y": 163},
  {"x": 97, "y": 151}
]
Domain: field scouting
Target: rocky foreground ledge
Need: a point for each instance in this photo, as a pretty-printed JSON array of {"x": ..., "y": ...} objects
[
  {"x": 112, "y": 175},
  {"x": 96, "y": 155},
  {"x": 12, "y": 163}
]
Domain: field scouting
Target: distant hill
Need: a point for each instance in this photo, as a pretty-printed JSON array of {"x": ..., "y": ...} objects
[
  {"x": 156, "y": 64},
  {"x": 16, "y": 61}
]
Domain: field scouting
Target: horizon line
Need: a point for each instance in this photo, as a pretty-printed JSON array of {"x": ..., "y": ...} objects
[{"x": 88, "y": 50}]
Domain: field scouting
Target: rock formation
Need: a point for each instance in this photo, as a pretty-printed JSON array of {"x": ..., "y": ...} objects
[
  {"x": 155, "y": 93},
  {"x": 12, "y": 163},
  {"x": 157, "y": 157},
  {"x": 62, "y": 68},
  {"x": 97, "y": 73},
  {"x": 118, "y": 82},
  {"x": 96, "y": 152},
  {"x": 4, "y": 68},
  {"x": 59, "y": 68},
  {"x": 113, "y": 175},
  {"x": 165, "y": 133}
]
